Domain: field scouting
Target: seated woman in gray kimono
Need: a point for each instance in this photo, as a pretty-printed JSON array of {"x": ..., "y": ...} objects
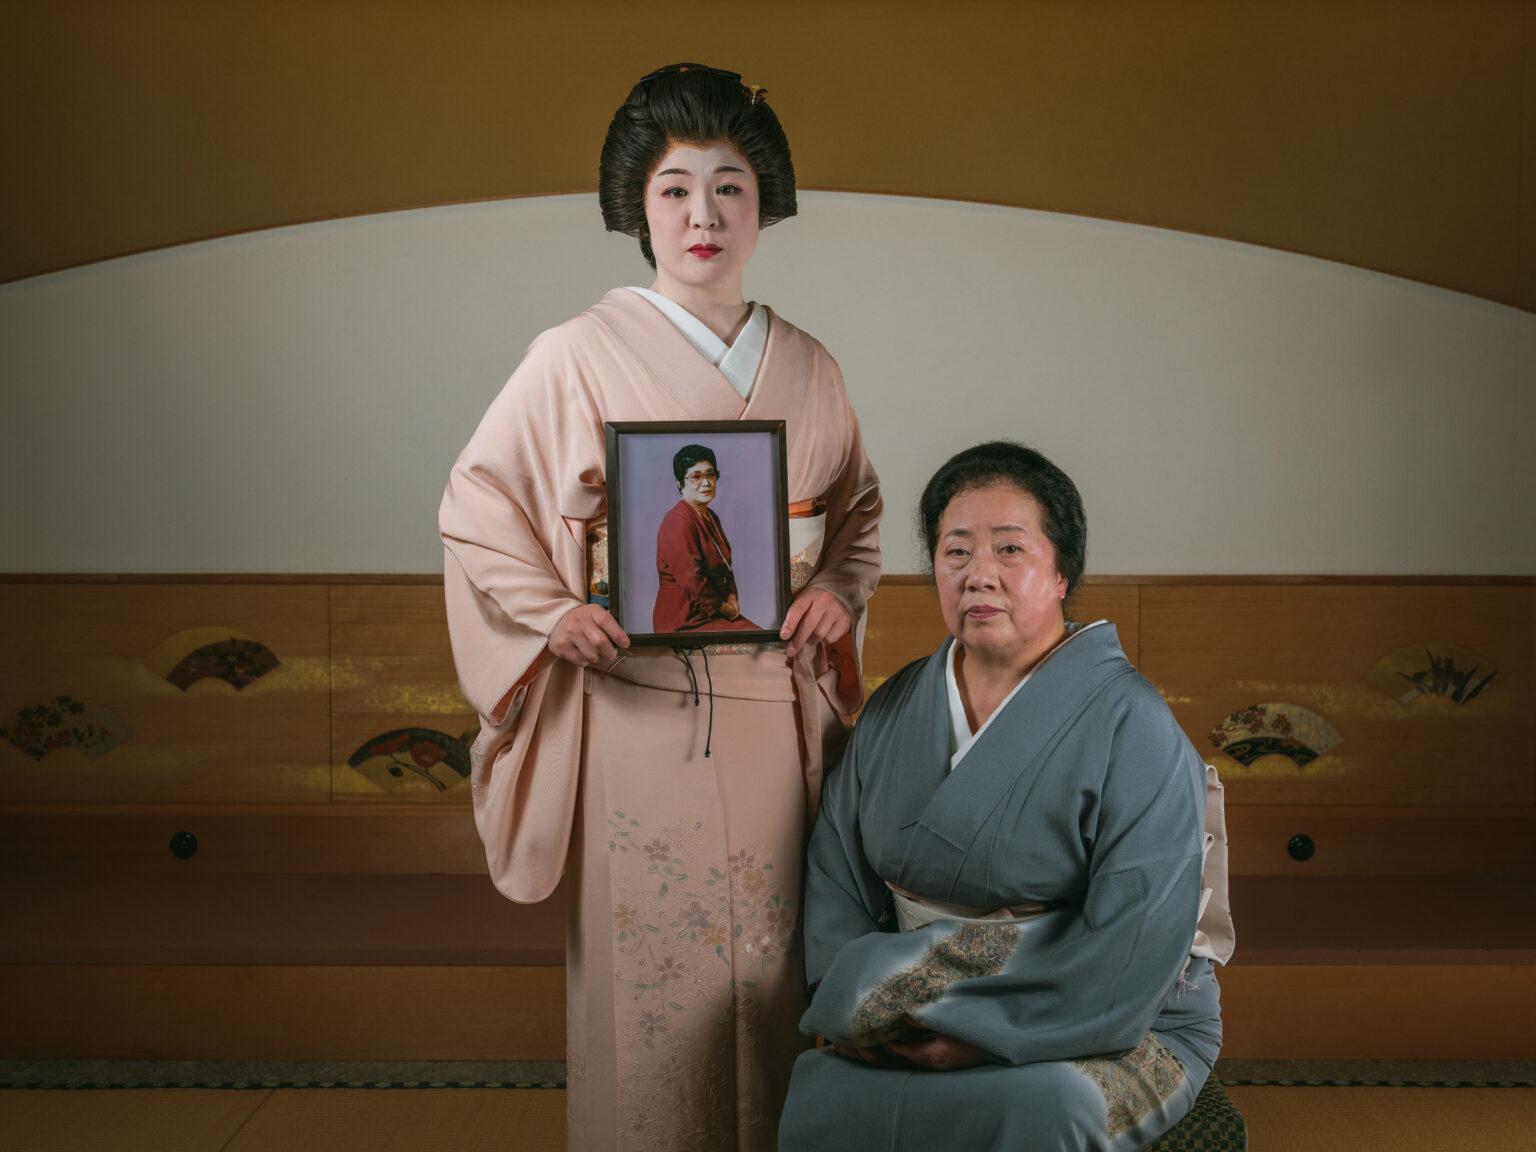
[{"x": 1005, "y": 881}]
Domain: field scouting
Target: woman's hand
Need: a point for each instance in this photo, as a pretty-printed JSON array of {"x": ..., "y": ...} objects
[
  {"x": 731, "y": 608},
  {"x": 816, "y": 617},
  {"x": 938, "y": 1053},
  {"x": 875, "y": 1055},
  {"x": 588, "y": 634}
]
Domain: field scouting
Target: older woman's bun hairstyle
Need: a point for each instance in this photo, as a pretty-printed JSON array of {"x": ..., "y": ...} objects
[
  {"x": 690, "y": 104},
  {"x": 1004, "y": 462}
]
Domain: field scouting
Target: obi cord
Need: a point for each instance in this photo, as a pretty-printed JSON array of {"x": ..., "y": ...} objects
[{"x": 684, "y": 654}]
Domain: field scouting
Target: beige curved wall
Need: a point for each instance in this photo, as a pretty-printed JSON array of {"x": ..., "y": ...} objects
[
  {"x": 292, "y": 400},
  {"x": 1398, "y": 136}
]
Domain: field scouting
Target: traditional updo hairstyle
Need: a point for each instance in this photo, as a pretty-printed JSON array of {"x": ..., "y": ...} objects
[
  {"x": 689, "y": 455},
  {"x": 1004, "y": 462},
  {"x": 690, "y": 104}
]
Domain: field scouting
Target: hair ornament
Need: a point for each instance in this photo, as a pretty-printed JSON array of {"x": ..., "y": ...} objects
[
  {"x": 758, "y": 93},
  {"x": 679, "y": 69}
]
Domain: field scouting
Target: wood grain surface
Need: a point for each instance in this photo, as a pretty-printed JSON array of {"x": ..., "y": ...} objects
[
  {"x": 1364, "y": 1011},
  {"x": 208, "y": 743},
  {"x": 282, "y": 1012},
  {"x": 392, "y": 668},
  {"x": 1214, "y": 650}
]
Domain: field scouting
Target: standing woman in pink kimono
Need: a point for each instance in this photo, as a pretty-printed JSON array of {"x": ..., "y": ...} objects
[{"x": 680, "y": 839}]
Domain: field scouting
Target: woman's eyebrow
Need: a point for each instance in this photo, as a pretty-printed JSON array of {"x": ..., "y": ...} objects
[{"x": 685, "y": 172}]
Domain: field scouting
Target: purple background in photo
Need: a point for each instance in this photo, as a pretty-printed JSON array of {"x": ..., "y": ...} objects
[{"x": 744, "y": 503}]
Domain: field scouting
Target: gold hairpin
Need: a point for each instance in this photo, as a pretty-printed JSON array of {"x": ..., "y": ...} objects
[{"x": 758, "y": 94}]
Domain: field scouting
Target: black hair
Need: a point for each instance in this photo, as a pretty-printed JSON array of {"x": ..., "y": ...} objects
[
  {"x": 1004, "y": 462},
  {"x": 689, "y": 455},
  {"x": 690, "y": 104}
]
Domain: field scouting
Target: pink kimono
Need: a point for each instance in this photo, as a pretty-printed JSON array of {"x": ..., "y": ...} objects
[{"x": 684, "y": 983}]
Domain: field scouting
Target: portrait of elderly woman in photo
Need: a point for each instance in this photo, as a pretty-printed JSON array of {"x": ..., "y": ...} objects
[
  {"x": 696, "y": 585},
  {"x": 1016, "y": 887}
]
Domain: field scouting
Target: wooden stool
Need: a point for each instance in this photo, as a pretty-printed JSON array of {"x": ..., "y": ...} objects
[{"x": 1213, "y": 1125}]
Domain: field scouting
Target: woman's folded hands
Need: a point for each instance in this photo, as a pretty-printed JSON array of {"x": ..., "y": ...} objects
[{"x": 923, "y": 1048}]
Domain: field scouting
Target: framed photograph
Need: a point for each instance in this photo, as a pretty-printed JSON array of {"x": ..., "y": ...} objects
[{"x": 698, "y": 531}]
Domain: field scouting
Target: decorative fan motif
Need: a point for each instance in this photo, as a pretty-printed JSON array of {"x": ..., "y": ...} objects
[
  {"x": 1414, "y": 670},
  {"x": 406, "y": 756},
  {"x": 211, "y": 653},
  {"x": 93, "y": 730},
  {"x": 1287, "y": 730}
]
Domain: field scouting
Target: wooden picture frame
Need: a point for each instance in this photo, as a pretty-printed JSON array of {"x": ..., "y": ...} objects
[{"x": 679, "y": 547}]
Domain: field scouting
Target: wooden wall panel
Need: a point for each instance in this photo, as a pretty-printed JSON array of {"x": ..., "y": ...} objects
[
  {"x": 326, "y": 839},
  {"x": 282, "y": 1012},
  {"x": 1372, "y": 919},
  {"x": 1214, "y": 650},
  {"x": 1379, "y": 1012},
  {"x": 412, "y": 839},
  {"x": 904, "y": 622},
  {"x": 286, "y": 918},
  {"x": 210, "y": 742},
  {"x": 1364, "y": 1011},
  {"x": 1383, "y": 841},
  {"x": 392, "y": 671}
]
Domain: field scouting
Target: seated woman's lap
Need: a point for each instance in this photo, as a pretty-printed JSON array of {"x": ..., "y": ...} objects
[{"x": 1095, "y": 1105}]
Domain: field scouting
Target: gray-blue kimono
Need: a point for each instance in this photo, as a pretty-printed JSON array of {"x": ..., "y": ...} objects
[{"x": 1081, "y": 795}]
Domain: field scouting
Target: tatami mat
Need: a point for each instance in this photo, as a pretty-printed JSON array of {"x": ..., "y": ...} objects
[
  {"x": 132, "y": 1120},
  {"x": 1280, "y": 1119},
  {"x": 1387, "y": 1119},
  {"x": 451, "y": 1120}
]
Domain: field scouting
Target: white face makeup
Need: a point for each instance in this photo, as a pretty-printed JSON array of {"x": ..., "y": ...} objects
[
  {"x": 700, "y": 483},
  {"x": 701, "y": 207}
]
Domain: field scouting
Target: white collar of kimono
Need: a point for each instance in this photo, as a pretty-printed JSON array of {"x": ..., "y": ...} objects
[
  {"x": 960, "y": 735},
  {"x": 737, "y": 362}
]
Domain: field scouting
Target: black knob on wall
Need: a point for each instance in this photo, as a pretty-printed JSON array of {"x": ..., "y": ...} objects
[
  {"x": 1300, "y": 847},
  {"x": 183, "y": 845}
]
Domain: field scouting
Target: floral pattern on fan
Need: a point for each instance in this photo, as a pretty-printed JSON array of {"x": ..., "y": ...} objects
[
  {"x": 211, "y": 653},
  {"x": 93, "y": 730},
  {"x": 404, "y": 758},
  {"x": 1288, "y": 730}
]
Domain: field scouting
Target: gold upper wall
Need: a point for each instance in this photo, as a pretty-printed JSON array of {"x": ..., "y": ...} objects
[{"x": 1396, "y": 136}]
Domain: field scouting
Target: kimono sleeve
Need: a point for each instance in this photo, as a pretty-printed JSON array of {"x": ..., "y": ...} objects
[
  {"x": 843, "y": 895},
  {"x": 850, "y": 559},
  {"x": 513, "y": 566},
  {"x": 1075, "y": 981}
]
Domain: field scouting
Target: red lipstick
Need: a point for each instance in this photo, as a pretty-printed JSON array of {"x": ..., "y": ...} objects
[{"x": 705, "y": 251}]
